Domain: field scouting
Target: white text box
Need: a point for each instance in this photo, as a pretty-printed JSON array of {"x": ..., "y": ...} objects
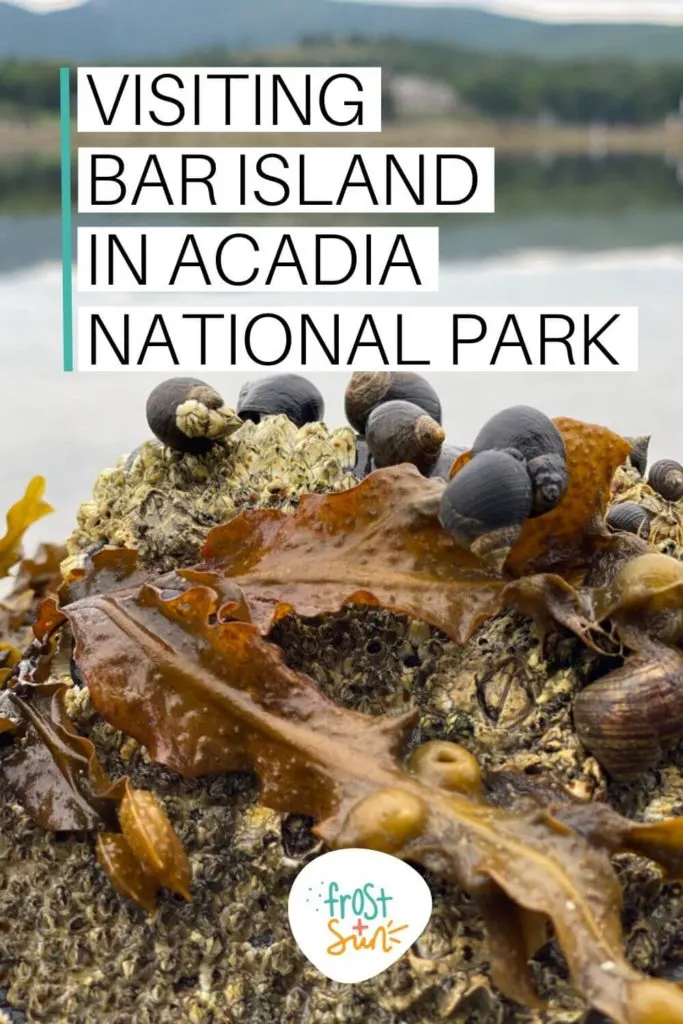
[
  {"x": 319, "y": 339},
  {"x": 236, "y": 99},
  {"x": 254, "y": 259},
  {"x": 313, "y": 180}
]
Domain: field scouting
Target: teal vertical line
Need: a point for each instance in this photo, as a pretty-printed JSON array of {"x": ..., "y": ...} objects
[{"x": 67, "y": 255}]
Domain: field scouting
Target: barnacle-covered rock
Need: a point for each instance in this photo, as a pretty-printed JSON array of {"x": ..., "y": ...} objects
[
  {"x": 71, "y": 945},
  {"x": 228, "y": 954},
  {"x": 163, "y": 503}
]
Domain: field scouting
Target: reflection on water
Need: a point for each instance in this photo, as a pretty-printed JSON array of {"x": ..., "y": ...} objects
[
  {"x": 567, "y": 232},
  {"x": 580, "y": 203}
]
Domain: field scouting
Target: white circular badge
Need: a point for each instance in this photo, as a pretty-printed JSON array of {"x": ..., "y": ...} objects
[{"x": 354, "y": 913}]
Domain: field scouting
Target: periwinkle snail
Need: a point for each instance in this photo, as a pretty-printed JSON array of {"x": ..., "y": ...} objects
[
  {"x": 447, "y": 456},
  {"x": 529, "y": 434},
  {"x": 666, "y": 478},
  {"x": 633, "y": 715},
  {"x": 639, "y": 452},
  {"x": 398, "y": 432},
  {"x": 188, "y": 415},
  {"x": 629, "y": 517},
  {"x": 646, "y": 595},
  {"x": 486, "y": 504},
  {"x": 285, "y": 394},
  {"x": 367, "y": 390}
]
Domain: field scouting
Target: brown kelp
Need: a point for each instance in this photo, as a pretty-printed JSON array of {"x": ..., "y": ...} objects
[
  {"x": 205, "y": 694},
  {"x": 182, "y": 664}
]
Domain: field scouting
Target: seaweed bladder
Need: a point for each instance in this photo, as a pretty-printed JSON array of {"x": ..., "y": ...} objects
[
  {"x": 206, "y": 694},
  {"x": 57, "y": 777}
]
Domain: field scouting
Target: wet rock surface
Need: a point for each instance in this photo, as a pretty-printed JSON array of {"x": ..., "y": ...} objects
[{"x": 73, "y": 950}]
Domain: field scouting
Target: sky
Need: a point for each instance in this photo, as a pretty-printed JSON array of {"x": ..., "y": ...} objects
[
  {"x": 662, "y": 11},
  {"x": 648, "y": 11}
]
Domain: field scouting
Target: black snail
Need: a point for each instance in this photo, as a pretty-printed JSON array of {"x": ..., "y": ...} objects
[
  {"x": 285, "y": 394},
  {"x": 447, "y": 456},
  {"x": 367, "y": 390},
  {"x": 535, "y": 438},
  {"x": 188, "y": 415},
  {"x": 640, "y": 447},
  {"x": 666, "y": 478},
  {"x": 629, "y": 517},
  {"x": 399, "y": 432},
  {"x": 486, "y": 504}
]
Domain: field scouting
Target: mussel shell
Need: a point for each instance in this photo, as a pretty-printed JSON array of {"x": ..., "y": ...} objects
[
  {"x": 633, "y": 715},
  {"x": 666, "y": 478},
  {"x": 367, "y": 390},
  {"x": 398, "y": 432},
  {"x": 523, "y": 428},
  {"x": 448, "y": 455},
  {"x": 286, "y": 394},
  {"x": 162, "y": 404},
  {"x": 629, "y": 517}
]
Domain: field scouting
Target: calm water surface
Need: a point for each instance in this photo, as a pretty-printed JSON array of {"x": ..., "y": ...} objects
[{"x": 573, "y": 233}]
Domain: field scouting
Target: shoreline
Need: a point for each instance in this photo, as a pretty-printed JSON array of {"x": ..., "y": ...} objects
[{"x": 24, "y": 140}]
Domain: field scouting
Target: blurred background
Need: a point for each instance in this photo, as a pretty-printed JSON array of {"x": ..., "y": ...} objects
[{"x": 587, "y": 121}]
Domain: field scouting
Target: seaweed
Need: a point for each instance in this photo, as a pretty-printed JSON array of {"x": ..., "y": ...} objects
[
  {"x": 57, "y": 777},
  {"x": 22, "y": 514},
  {"x": 208, "y": 694},
  {"x": 183, "y": 665}
]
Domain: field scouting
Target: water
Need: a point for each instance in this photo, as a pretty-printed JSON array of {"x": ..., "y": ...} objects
[{"x": 581, "y": 233}]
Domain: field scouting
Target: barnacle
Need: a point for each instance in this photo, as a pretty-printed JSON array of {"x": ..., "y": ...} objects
[{"x": 163, "y": 503}]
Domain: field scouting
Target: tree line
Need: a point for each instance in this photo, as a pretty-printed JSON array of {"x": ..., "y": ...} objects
[{"x": 501, "y": 87}]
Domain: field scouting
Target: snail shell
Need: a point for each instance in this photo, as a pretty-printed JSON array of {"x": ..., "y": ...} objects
[
  {"x": 285, "y": 394},
  {"x": 640, "y": 447},
  {"x": 398, "y": 432},
  {"x": 666, "y": 478},
  {"x": 632, "y": 716},
  {"x": 188, "y": 415},
  {"x": 486, "y": 504},
  {"x": 646, "y": 594},
  {"x": 363, "y": 465},
  {"x": 629, "y": 517},
  {"x": 539, "y": 442},
  {"x": 367, "y": 390},
  {"x": 448, "y": 455}
]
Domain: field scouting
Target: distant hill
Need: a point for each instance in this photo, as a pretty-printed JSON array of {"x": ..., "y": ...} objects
[{"x": 108, "y": 30}]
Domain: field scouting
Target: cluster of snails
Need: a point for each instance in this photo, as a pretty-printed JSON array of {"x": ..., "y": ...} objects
[
  {"x": 665, "y": 479},
  {"x": 518, "y": 471},
  {"x": 397, "y": 417},
  {"x": 189, "y": 416}
]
